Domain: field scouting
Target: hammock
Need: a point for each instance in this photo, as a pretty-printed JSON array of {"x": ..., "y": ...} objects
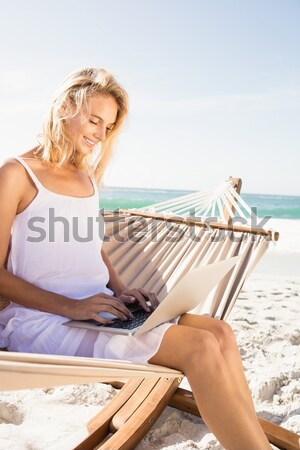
[{"x": 156, "y": 245}]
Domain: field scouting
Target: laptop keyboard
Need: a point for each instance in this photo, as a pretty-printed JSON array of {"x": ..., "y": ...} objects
[{"x": 139, "y": 318}]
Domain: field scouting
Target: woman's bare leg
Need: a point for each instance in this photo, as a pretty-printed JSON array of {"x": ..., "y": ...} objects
[
  {"x": 222, "y": 406},
  {"x": 229, "y": 348}
]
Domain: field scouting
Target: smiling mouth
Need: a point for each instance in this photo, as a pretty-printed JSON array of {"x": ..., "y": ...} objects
[{"x": 89, "y": 142}]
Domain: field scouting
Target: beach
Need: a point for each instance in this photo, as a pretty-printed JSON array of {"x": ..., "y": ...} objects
[
  {"x": 182, "y": 116},
  {"x": 265, "y": 320},
  {"x": 149, "y": 101}
]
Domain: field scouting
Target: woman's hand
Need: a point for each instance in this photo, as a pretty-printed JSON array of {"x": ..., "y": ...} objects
[
  {"x": 130, "y": 295},
  {"x": 89, "y": 308}
]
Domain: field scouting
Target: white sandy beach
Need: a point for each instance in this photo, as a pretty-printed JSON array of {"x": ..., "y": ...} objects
[{"x": 266, "y": 322}]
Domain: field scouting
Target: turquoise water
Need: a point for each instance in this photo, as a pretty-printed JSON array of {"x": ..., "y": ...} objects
[{"x": 277, "y": 206}]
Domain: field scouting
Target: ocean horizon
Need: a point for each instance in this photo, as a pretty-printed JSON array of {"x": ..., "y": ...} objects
[{"x": 276, "y": 206}]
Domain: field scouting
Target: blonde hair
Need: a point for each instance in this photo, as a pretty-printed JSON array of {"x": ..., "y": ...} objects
[{"x": 72, "y": 97}]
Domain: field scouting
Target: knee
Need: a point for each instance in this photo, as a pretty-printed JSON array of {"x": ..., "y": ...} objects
[
  {"x": 225, "y": 336},
  {"x": 202, "y": 349}
]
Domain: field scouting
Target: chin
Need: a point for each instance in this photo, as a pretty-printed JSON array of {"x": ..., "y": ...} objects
[{"x": 85, "y": 151}]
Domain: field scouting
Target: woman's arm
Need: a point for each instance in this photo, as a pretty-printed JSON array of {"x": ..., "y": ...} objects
[
  {"x": 26, "y": 294},
  {"x": 115, "y": 283},
  {"x": 13, "y": 184}
]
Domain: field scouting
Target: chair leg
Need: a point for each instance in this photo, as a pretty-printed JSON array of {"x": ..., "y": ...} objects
[
  {"x": 98, "y": 426},
  {"x": 279, "y": 436},
  {"x": 123, "y": 423},
  {"x": 130, "y": 415}
]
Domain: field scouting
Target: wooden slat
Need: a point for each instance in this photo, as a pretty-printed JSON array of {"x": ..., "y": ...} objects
[
  {"x": 184, "y": 401},
  {"x": 280, "y": 436},
  {"x": 131, "y": 406},
  {"x": 98, "y": 426},
  {"x": 131, "y": 433}
]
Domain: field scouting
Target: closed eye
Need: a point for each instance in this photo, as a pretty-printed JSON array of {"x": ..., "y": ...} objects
[{"x": 96, "y": 123}]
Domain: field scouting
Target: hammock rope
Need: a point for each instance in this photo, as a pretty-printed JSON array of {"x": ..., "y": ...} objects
[{"x": 212, "y": 202}]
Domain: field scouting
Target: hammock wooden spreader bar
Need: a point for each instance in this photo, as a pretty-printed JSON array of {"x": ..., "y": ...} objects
[{"x": 273, "y": 235}]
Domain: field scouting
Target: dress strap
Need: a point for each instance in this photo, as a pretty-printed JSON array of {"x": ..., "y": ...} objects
[
  {"x": 30, "y": 171},
  {"x": 96, "y": 187}
]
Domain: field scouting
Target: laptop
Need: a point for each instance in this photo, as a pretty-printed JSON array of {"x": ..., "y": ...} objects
[{"x": 189, "y": 292}]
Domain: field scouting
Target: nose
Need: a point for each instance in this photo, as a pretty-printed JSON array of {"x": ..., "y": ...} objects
[{"x": 100, "y": 133}]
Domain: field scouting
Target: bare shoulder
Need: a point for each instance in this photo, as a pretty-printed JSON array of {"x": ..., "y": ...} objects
[
  {"x": 13, "y": 176},
  {"x": 11, "y": 167},
  {"x": 9, "y": 164},
  {"x": 12, "y": 190}
]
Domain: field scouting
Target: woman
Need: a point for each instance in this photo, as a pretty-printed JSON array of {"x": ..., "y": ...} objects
[{"x": 51, "y": 276}]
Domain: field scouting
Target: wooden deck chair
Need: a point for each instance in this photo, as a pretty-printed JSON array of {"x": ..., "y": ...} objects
[
  {"x": 146, "y": 390},
  {"x": 154, "y": 248}
]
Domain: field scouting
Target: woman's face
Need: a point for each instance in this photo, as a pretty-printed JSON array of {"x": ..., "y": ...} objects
[{"x": 87, "y": 131}]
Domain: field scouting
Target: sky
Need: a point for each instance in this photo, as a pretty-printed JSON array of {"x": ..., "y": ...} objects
[{"x": 214, "y": 86}]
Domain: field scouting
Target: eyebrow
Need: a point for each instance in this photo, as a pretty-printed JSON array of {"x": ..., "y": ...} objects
[{"x": 94, "y": 115}]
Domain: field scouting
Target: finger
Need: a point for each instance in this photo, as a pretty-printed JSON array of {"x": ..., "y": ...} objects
[
  {"x": 154, "y": 300},
  {"x": 121, "y": 307},
  {"x": 127, "y": 298},
  {"x": 118, "y": 309},
  {"x": 112, "y": 302},
  {"x": 140, "y": 298},
  {"x": 101, "y": 320},
  {"x": 111, "y": 297},
  {"x": 157, "y": 302},
  {"x": 151, "y": 296}
]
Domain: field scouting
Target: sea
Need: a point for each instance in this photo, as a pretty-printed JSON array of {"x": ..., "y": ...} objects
[{"x": 276, "y": 206}]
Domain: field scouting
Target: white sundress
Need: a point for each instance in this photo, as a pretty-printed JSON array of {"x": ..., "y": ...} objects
[{"x": 48, "y": 249}]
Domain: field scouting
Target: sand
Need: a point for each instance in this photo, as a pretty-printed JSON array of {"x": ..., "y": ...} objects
[{"x": 266, "y": 323}]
